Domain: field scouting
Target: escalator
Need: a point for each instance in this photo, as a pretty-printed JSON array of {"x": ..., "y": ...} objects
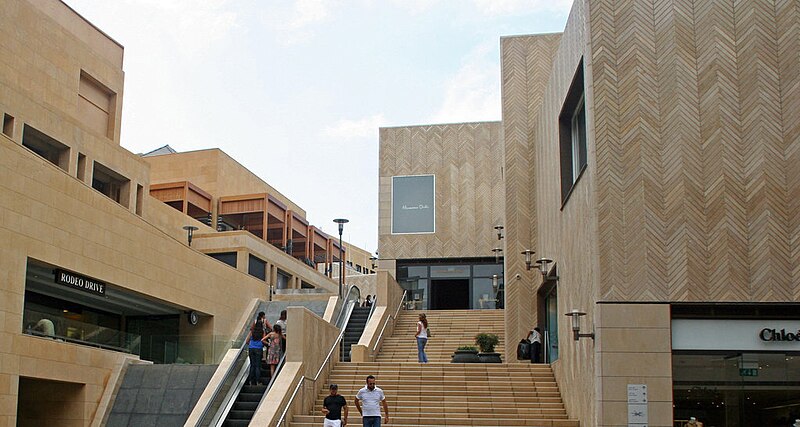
[
  {"x": 354, "y": 329},
  {"x": 247, "y": 400}
]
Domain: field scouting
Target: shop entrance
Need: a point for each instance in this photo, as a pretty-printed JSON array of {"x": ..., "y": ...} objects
[
  {"x": 449, "y": 294},
  {"x": 737, "y": 389}
]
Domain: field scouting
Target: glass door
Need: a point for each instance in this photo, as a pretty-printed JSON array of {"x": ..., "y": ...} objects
[{"x": 551, "y": 325}]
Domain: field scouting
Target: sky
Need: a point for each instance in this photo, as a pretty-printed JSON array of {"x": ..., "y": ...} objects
[{"x": 296, "y": 90}]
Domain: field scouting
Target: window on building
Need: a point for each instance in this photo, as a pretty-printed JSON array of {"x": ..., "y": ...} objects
[
  {"x": 81, "y": 172},
  {"x": 226, "y": 257},
  {"x": 572, "y": 135},
  {"x": 8, "y": 125},
  {"x": 45, "y": 146},
  {"x": 257, "y": 268},
  {"x": 96, "y": 105},
  {"x": 115, "y": 186}
]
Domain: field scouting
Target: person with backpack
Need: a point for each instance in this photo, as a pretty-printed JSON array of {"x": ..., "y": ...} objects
[{"x": 255, "y": 349}]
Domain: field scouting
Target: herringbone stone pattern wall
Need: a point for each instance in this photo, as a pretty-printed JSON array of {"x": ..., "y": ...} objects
[
  {"x": 466, "y": 159},
  {"x": 526, "y": 65},
  {"x": 697, "y": 134}
]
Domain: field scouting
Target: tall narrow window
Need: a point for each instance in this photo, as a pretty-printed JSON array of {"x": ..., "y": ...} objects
[
  {"x": 572, "y": 135},
  {"x": 8, "y": 125},
  {"x": 96, "y": 105},
  {"x": 139, "y": 199},
  {"x": 81, "y": 174}
]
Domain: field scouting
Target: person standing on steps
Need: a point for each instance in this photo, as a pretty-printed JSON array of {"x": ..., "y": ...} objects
[
  {"x": 332, "y": 408},
  {"x": 535, "y": 338},
  {"x": 282, "y": 323},
  {"x": 372, "y": 397},
  {"x": 274, "y": 352},
  {"x": 255, "y": 348},
  {"x": 422, "y": 338}
]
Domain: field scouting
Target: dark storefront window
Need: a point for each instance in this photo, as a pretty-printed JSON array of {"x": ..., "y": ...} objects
[{"x": 737, "y": 389}]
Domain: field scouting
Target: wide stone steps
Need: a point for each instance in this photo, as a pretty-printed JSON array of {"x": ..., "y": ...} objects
[
  {"x": 450, "y": 329},
  {"x": 441, "y": 393}
]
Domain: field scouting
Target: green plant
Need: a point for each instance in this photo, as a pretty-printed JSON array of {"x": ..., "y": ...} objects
[
  {"x": 487, "y": 342},
  {"x": 467, "y": 348}
]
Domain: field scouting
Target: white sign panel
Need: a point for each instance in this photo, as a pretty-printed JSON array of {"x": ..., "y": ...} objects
[
  {"x": 637, "y": 414},
  {"x": 413, "y": 204},
  {"x": 637, "y": 405},
  {"x": 722, "y": 334},
  {"x": 637, "y": 393}
]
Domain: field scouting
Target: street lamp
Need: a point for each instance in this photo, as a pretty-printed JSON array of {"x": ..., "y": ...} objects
[
  {"x": 341, "y": 222},
  {"x": 189, "y": 232}
]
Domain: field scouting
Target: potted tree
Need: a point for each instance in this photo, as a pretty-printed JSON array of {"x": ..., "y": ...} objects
[
  {"x": 465, "y": 354},
  {"x": 487, "y": 342}
]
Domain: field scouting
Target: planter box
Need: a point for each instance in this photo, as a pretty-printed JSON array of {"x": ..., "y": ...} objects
[
  {"x": 490, "y": 358},
  {"x": 465, "y": 356}
]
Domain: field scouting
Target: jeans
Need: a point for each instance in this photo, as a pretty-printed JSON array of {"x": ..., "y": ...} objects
[
  {"x": 423, "y": 358},
  {"x": 371, "y": 421},
  {"x": 255, "y": 365}
]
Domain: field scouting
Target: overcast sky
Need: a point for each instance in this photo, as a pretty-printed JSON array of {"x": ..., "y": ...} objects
[{"x": 296, "y": 91}]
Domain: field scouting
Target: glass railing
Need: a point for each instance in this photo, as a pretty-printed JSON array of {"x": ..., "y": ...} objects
[
  {"x": 190, "y": 349},
  {"x": 65, "y": 329}
]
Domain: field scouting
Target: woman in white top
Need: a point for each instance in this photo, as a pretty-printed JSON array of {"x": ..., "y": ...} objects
[{"x": 422, "y": 338}]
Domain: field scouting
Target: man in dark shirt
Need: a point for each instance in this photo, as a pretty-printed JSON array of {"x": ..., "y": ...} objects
[{"x": 332, "y": 408}]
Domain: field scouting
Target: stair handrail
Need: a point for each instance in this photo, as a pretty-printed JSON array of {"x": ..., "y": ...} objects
[
  {"x": 282, "y": 420},
  {"x": 391, "y": 317}
]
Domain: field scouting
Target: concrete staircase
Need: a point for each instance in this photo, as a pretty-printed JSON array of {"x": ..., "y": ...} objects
[
  {"x": 449, "y": 329},
  {"x": 446, "y": 394}
]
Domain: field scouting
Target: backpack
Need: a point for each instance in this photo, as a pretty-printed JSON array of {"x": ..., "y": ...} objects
[
  {"x": 524, "y": 350},
  {"x": 257, "y": 332}
]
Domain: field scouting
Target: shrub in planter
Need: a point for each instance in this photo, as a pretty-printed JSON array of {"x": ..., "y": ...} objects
[
  {"x": 465, "y": 354},
  {"x": 487, "y": 342}
]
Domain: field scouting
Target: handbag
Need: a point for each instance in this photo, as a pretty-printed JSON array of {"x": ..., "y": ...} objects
[
  {"x": 428, "y": 331},
  {"x": 524, "y": 350}
]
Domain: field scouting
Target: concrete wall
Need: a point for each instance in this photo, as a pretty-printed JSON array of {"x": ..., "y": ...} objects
[{"x": 466, "y": 159}]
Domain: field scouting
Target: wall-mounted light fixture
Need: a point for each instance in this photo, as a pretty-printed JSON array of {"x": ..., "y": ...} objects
[
  {"x": 373, "y": 260},
  {"x": 528, "y": 258},
  {"x": 542, "y": 264},
  {"x": 576, "y": 315},
  {"x": 495, "y": 284},
  {"x": 189, "y": 232},
  {"x": 497, "y": 252},
  {"x": 499, "y": 229}
]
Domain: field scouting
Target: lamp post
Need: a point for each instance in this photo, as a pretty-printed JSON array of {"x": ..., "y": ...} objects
[
  {"x": 189, "y": 232},
  {"x": 341, "y": 222}
]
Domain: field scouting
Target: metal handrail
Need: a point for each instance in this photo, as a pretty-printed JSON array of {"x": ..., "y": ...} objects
[
  {"x": 391, "y": 317},
  {"x": 282, "y": 418}
]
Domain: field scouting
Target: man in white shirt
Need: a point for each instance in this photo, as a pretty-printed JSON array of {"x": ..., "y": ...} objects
[
  {"x": 535, "y": 338},
  {"x": 368, "y": 402}
]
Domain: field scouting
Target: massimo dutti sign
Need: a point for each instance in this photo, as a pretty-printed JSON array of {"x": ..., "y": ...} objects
[
  {"x": 731, "y": 334},
  {"x": 80, "y": 282},
  {"x": 413, "y": 204}
]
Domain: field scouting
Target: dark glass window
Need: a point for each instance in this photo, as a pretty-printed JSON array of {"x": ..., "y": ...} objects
[
  {"x": 572, "y": 135},
  {"x": 226, "y": 257}
]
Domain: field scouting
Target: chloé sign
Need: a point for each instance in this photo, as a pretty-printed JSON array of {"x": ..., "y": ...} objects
[
  {"x": 80, "y": 282},
  {"x": 768, "y": 334}
]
